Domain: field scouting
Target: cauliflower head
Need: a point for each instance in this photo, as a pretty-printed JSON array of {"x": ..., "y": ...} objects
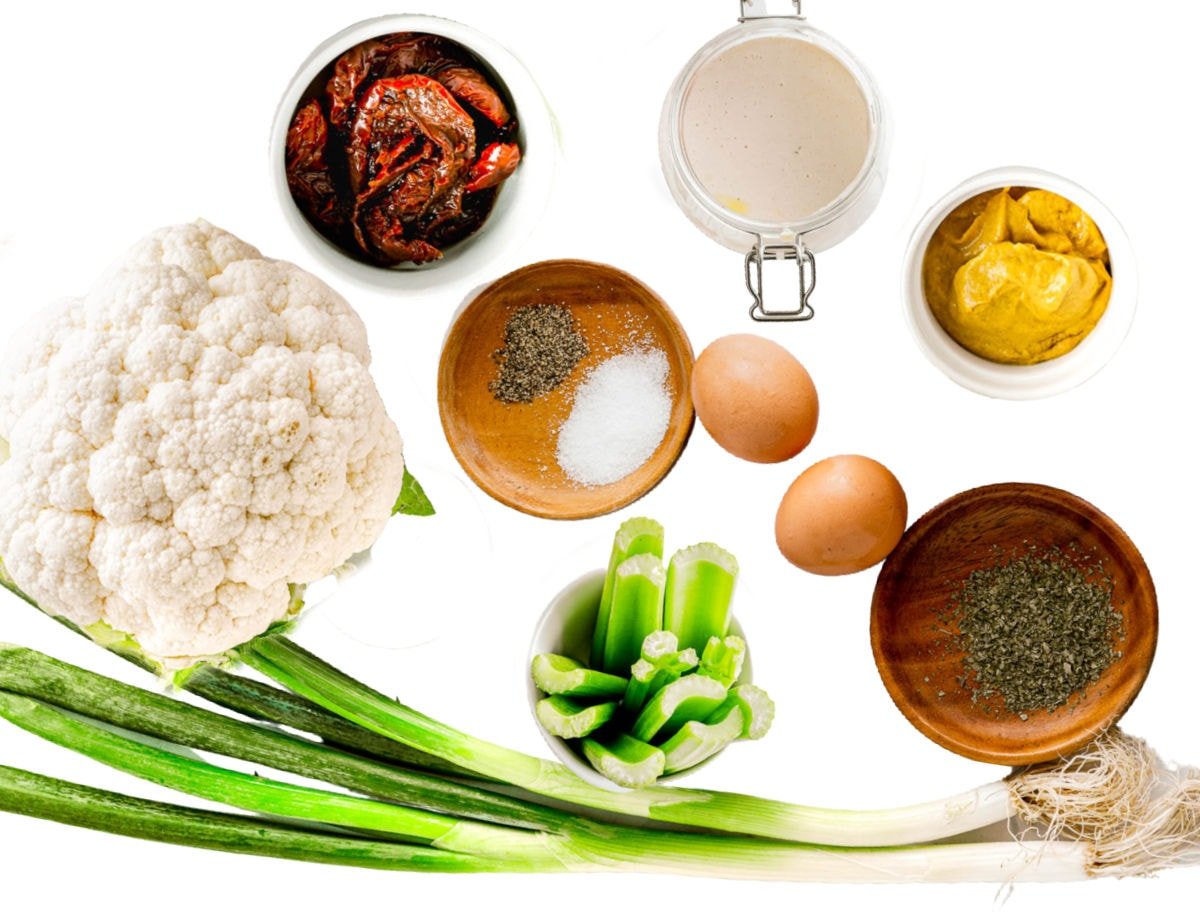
[{"x": 195, "y": 434}]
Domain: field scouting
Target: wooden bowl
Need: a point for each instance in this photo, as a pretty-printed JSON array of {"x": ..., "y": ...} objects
[
  {"x": 919, "y": 661},
  {"x": 509, "y": 449}
]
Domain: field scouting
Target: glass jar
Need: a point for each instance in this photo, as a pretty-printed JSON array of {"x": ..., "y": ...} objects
[{"x": 783, "y": 233}]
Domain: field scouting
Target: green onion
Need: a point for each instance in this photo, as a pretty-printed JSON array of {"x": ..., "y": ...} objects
[
  {"x": 699, "y": 593},
  {"x": 555, "y": 674},
  {"x": 635, "y": 536},
  {"x": 723, "y": 659},
  {"x": 455, "y": 845},
  {"x": 625, "y": 760},
  {"x": 695, "y": 742},
  {"x": 32, "y": 795},
  {"x": 305, "y": 674},
  {"x": 567, "y": 718},
  {"x": 635, "y": 612},
  {"x": 263, "y": 795},
  {"x": 272, "y": 704},
  {"x": 1152, "y": 827},
  {"x": 692, "y": 698},
  {"x": 33, "y": 674},
  {"x": 605, "y": 850}
]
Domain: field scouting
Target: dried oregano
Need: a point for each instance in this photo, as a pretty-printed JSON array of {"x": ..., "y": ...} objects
[{"x": 1035, "y": 630}]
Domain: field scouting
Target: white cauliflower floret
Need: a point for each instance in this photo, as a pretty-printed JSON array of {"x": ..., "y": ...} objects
[{"x": 195, "y": 434}]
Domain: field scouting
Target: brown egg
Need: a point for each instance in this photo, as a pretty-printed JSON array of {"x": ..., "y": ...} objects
[
  {"x": 841, "y": 515},
  {"x": 754, "y": 398}
]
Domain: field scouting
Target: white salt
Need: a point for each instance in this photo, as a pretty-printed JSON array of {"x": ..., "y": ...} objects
[{"x": 620, "y": 415}]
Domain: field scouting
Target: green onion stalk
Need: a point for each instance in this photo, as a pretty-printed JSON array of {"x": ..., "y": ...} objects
[
  {"x": 26, "y": 672},
  {"x": 1112, "y": 809},
  {"x": 33, "y": 795},
  {"x": 270, "y": 796},
  {"x": 319, "y": 825},
  {"x": 303, "y": 673}
]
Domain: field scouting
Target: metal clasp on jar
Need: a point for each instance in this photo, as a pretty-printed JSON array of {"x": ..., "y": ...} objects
[
  {"x": 757, "y": 9},
  {"x": 806, "y": 263}
]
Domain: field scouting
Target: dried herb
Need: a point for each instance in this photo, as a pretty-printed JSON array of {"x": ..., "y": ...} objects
[
  {"x": 541, "y": 348},
  {"x": 1035, "y": 630}
]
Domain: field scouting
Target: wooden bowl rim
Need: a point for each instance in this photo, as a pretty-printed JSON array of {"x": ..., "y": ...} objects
[
  {"x": 678, "y": 432},
  {"x": 1057, "y": 742}
]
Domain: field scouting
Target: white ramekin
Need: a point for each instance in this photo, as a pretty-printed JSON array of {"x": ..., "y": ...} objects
[
  {"x": 1018, "y": 381},
  {"x": 522, "y": 199},
  {"x": 565, "y": 628}
]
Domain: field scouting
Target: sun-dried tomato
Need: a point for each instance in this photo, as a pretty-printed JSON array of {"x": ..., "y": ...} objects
[
  {"x": 494, "y": 166},
  {"x": 387, "y": 162},
  {"x": 469, "y": 86},
  {"x": 308, "y": 173}
]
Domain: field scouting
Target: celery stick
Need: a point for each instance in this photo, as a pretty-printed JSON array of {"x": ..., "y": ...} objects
[
  {"x": 555, "y": 674},
  {"x": 698, "y": 595},
  {"x": 625, "y": 760},
  {"x": 757, "y": 710},
  {"x": 636, "y": 536},
  {"x": 569, "y": 718},
  {"x": 641, "y": 676},
  {"x": 659, "y": 643},
  {"x": 650, "y": 675},
  {"x": 723, "y": 659},
  {"x": 635, "y": 613},
  {"x": 697, "y": 741},
  {"x": 691, "y": 698}
]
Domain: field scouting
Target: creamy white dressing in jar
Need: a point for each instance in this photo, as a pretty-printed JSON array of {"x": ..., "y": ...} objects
[{"x": 775, "y": 128}]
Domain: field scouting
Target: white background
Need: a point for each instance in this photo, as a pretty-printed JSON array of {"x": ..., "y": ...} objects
[{"x": 121, "y": 117}]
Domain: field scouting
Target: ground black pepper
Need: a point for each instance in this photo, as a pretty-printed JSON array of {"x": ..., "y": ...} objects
[
  {"x": 1035, "y": 630},
  {"x": 541, "y": 348}
]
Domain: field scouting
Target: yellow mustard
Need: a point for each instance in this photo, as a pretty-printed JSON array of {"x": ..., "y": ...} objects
[{"x": 1017, "y": 276}]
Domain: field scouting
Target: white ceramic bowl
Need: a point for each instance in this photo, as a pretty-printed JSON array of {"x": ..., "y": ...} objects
[
  {"x": 519, "y": 205},
  {"x": 565, "y": 628},
  {"x": 1012, "y": 381}
]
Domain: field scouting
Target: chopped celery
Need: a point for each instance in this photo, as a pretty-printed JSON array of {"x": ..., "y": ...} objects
[
  {"x": 636, "y": 536},
  {"x": 555, "y": 674},
  {"x": 641, "y": 678},
  {"x": 636, "y": 611},
  {"x": 699, "y": 591},
  {"x": 691, "y": 698},
  {"x": 659, "y": 665},
  {"x": 569, "y": 718},
  {"x": 697, "y": 741},
  {"x": 659, "y": 644},
  {"x": 723, "y": 659},
  {"x": 625, "y": 760},
  {"x": 757, "y": 710}
]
